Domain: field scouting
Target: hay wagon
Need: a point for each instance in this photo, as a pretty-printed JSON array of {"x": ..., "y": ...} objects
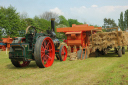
[
  {"x": 102, "y": 42},
  {"x": 86, "y": 40}
]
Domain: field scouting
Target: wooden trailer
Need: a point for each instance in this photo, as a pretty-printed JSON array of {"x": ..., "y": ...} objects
[{"x": 102, "y": 42}]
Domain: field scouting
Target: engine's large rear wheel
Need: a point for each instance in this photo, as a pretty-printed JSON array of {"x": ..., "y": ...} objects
[
  {"x": 44, "y": 52},
  {"x": 63, "y": 53}
]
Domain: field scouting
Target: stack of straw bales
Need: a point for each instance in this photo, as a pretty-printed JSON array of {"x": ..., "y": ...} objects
[
  {"x": 73, "y": 56},
  {"x": 104, "y": 39}
]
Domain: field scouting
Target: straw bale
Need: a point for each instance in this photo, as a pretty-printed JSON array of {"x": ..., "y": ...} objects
[
  {"x": 73, "y": 56},
  {"x": 104, "y": 39},
  {"x": 69, "y": 51}
]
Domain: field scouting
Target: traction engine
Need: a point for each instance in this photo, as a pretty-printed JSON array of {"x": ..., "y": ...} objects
[{"x": 41, "y": 47}]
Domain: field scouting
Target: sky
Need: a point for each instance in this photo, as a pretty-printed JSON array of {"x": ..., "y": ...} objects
[{"x": 89, "y": 11}]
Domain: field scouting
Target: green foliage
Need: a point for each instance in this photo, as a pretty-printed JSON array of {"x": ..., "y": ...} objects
[
  {"x": 73, "y": 21},
  {"x": 63, "y": 20},
  {"x": 15, "y": 25},
  {"x": 42, "y": 23},
  {"x": 10, "y": 21},
  {"x": 109, "y": 23},
  {"x": 126, "y": 19},
  {"x": 94, "y": 25},
  {"x": 123, "y": 21},
  {"x": 0, "y": 34}
]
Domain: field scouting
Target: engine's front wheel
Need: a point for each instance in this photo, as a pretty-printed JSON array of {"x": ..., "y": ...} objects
[
  {"x": 44, "y": 52},
  {"x": 20, "y": 63},
  {"x": 63, "y": 53}
]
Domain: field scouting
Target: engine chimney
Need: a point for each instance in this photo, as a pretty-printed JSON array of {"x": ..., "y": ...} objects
[{"x": 53, "y": 24}]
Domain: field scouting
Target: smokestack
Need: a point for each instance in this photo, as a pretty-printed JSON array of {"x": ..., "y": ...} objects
[{"x": 53, "y": 24}]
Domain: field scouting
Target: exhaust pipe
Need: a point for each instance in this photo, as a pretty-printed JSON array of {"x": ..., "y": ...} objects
[{"x": 53, "y": 24}]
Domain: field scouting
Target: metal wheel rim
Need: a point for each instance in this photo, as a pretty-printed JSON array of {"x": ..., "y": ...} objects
[
  {"x": 24, "y": 63},
  {"x": 47, "y": 52},
  {"x": 64, "y": 53}
]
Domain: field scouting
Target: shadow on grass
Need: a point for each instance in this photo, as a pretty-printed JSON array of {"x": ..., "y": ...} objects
[
  {"x": 126, "y": 50},
  {"x": 31, "y": 65},
  {"x": 109, "y": 55}
]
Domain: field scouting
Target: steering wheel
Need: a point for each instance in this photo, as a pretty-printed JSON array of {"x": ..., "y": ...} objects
[{"x": 31, "y": 30}]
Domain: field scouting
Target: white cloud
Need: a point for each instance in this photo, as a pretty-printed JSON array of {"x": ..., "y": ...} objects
[
  {"x": 83, "y": 7},
  {"x": 94, "y": 6},
  {"x": 57, "y": 10},
  {"x": 95, "y": 15}
]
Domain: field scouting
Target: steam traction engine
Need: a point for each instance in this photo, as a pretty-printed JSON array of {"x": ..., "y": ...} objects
[{"x": 40, "y": 47}]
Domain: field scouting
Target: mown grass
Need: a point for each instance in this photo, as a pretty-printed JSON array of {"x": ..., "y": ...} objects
[{"x": 105, "y": 70}]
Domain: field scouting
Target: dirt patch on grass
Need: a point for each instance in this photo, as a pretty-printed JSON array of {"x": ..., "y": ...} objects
[
  {"x": 123, "y": 76},
  {"x": 121, "y": 65}
]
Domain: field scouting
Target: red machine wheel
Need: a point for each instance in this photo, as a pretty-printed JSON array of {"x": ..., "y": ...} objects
[
  {"x": 44, "y": 52},
  {"x": 3, "y": 48},
  {"x": 63, "y": 53},
  {"x": 20, "y": 63}
]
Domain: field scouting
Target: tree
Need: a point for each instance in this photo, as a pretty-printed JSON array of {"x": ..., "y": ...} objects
[
  {"x": 24, "y": 15},
  {"x": 109, "y": 23},
  {"x": 42, "y": 23},
  {"x": 48, "y": 15},
  {"x": 94, "y": 25},
  {"x": 10, "y": 21},
  {"x": 121, "y": 22},
  {"x": 126, "y": 19},
  {"x": 73, "y": 21},
  {"x": 0, "y": 34},
  {"x": 63, "y": 20}
]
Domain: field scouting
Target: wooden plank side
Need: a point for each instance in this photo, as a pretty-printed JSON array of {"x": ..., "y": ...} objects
[{"x": 70, "y": 29}]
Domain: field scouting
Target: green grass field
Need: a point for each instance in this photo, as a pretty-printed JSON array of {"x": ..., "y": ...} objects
[{"x": 106, "y": 70}]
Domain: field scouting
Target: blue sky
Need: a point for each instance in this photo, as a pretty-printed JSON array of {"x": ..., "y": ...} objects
[{"x": 90, "y": 11}]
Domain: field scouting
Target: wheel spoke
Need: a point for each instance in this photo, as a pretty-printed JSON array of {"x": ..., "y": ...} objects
[
  {"x": 49, "y": 57},
  {"x": 62, "y": 57},
  {"x": 42, "y": 56},
  {"x": 42, "y": 51},
  {"x": 42, "y": 46},
  {"x": 47, "y": 45},
  {"x": 62, "y": 52},
  {"x": 63, "y": 49},
  {"x": 49, "y": 50}
]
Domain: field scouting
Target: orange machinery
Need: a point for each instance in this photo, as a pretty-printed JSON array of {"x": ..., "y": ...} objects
[
  {"x": 78, "y": 35},
  {"x": 6, "y": 43}
]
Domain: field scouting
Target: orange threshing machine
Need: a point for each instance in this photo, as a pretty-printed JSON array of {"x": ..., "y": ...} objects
[
  {"x": 78, "y": 35},
  {"x": 5, "y": 43}
]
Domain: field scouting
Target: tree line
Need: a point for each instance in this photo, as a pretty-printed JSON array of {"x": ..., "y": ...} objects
[
  {"x": 122, "y": 22},
  {"x": 13, "y": 24}
]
